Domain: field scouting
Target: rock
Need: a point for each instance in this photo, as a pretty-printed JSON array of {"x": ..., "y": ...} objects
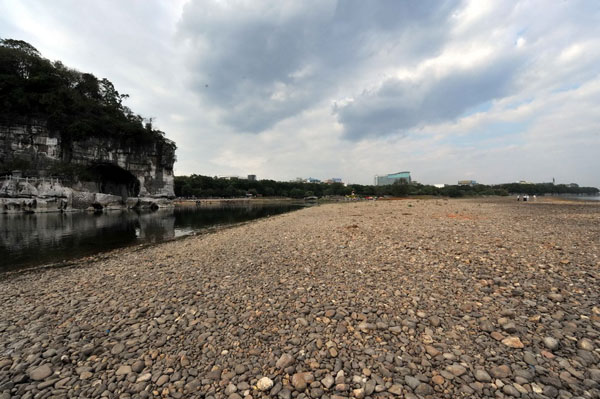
[
  {"x": 411, "y": 381},
  {"x": 162, "y": 380},
  {"x": 137, "y": 366},
  {"x": 551, "y": 343},
  {"x": 230, "y": 389},
  {"x": 424, "y": 389},
  {"x": 529, "y": 358},
  {"x": 585, "y": 344},
  {"x": 358, "y": 393},
  {"x": 456, "y": 369},
  {"x": 395, "y": 389},
  {"x": 85, "y": 375},
  {"x": 370, "y": 387},
  {"x": 301, "y": 380},
  {"x": 123, "y": 370},
  {"x": 328, "y": 381},
  {"x": 264, "y": 384},
  {"x": 40, "y": 373},
  {"x": 432, "y": 351},
  {"x": 511, "y": 391},
  {"x": 502, "y": 371},
  {"x": 87, "y": 349},
  {"x": 513, "y": 342},
  {"x": 117, "y": 348},
  {"x": 482, "y": 376},
  {"x": 556, "y": 297},
  {"x": 284, "y": 361},
  {"x": 144, "y": 377},
  {"x": 438, "y": 380}
]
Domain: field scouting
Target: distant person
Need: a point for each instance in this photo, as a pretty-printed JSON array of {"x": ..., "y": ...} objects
[
  {"x": 533, "y": 197},
  {"x": 518, "y": 198}
]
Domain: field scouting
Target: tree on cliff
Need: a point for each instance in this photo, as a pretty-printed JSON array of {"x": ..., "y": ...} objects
[{"x": 77, "y": 105}]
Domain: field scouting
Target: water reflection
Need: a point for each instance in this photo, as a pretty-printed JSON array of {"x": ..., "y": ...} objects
[{"x": 30, "y": 239}]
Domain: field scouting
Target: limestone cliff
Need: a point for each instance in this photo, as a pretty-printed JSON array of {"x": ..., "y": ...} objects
[{"x": 108, "y": 166}]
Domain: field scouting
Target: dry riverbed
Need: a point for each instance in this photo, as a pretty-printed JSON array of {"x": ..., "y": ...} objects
[{"x": 408, "y": 299}]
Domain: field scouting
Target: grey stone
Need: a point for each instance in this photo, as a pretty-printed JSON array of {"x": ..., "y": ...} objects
[
  {"x": 40, "y": 373},
  {"x": 482, "y": 376}
]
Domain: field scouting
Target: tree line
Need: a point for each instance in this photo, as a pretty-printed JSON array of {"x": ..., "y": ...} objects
[{"x": 198, "y": 186}]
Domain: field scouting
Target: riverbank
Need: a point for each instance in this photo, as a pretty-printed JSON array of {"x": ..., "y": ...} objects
[{"x": 438, "y": 298}]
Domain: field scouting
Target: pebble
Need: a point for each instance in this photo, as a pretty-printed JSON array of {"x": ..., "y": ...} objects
[
  {"x": 585, "y": 344},
  {"x": 513, "y": 342},
  {"x": 123, "y": 370},
  {"x": 40, "y": 373},
  {"x": 482, "y": 376},
  {"x": 551, "y": 343},
  {"x": 395, "y": 390},
  {"x": 456, "y": 369},
  {"x": 264, "y": 384},
  {"x": 284, "y": 361}
]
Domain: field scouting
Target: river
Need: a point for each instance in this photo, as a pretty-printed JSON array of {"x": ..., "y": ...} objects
[{"x": 33, "y": 239}]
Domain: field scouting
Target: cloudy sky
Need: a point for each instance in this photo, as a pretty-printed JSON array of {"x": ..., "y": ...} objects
[{"x": 494, "y": 91}]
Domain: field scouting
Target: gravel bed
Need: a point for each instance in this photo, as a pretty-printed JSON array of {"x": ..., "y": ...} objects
[{"x": 408, "y": 299}]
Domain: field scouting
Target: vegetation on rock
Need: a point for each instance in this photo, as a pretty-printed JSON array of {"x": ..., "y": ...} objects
[{"x": 77, "y": 105}]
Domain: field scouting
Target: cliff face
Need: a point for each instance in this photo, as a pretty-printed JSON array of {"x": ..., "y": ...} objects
[{"x": 110, "y": 166}]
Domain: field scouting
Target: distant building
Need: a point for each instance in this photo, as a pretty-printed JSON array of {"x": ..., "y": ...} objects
[
  {"x": 467, "y": 182},
  {"x": 252, "y": 177},
  {"x": 313, "y": 180},
  {"x": 439, "y": 185},
  {"x": 334, "y": 180},
  {"x": 401, "y": 177}
]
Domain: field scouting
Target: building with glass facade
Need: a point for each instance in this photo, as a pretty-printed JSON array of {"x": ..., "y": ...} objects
[{"x": 401, "y": 177}]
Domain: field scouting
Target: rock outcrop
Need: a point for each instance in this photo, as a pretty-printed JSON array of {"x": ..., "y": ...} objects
[{"x": 110, "y": 172}]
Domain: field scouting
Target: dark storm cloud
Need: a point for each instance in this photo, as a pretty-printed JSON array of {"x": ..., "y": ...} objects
[
  {"x": 399, "y": 105},
  {"x": 262, "y": 62}
]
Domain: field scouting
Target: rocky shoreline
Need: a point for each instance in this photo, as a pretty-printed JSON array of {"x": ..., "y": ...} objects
[
  {"x": 41, "y": 195},
  {"x": 408, "y": 299}
]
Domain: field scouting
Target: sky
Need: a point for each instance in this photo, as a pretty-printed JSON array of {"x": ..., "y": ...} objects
[{"x": 494, "y": 91}]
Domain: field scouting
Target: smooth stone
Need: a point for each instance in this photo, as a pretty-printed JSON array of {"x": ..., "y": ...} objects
[
  {"x": 412, "y": 382},
  {"x": 328, "y": 381},
  {"x": 40, "y": 373},
  {"x": 585, "y": 344},
  {"x": 395, "y": 389},
  {"x": 123, "y": 370},
  {"x": 264, "y": 384},
  {"x": 162, "y": 380},
  {"x": 424, "y": 389},
  {"x": 118, "y": 348},
  {"x": 284, "y": 361},
  {"x": 482, "y": 376},
  {"x": 456, "y": 369},
  {"x": 513, "y": 342},
  {"x": 551, "y": 343}
]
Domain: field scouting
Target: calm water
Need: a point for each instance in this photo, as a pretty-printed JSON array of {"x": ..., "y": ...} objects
[
  {"x": 583, "y": 197},
  {"x": 28, "y": 240}
]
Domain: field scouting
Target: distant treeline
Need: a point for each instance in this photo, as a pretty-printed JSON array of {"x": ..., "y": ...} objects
[{"x": 209, "y": 187}]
